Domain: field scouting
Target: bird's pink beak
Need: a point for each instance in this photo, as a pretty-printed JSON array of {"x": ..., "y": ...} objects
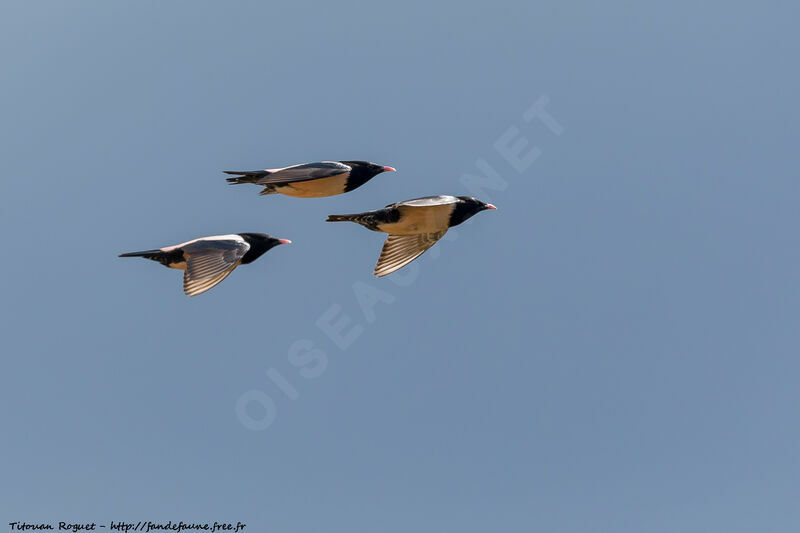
[
  {"x": 284, "y": 241},
  {"x": 389, "y": 169},
  {"x": 490, "y": 206}
]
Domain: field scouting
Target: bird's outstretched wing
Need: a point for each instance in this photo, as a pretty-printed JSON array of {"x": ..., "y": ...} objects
[
  {"x": 303, "y": 172},
  {"x": 400, "y": 250},
  {"x": 426, "y": 201},
  {"x": 209, "y": 262}
]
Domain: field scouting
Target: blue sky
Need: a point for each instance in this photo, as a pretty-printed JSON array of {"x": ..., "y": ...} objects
[{"x": 613, "y": 349}]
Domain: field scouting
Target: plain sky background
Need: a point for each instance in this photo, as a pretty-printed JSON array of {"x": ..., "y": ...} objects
[{"x": 615, "y": 349}]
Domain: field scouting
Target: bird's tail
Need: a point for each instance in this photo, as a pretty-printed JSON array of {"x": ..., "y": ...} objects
[
  {"x": 143, "y": 253},
  {"x": 246, "y": 176},
  {"x": 344, "y": 218},
  {"x": 165, "y": 258}
]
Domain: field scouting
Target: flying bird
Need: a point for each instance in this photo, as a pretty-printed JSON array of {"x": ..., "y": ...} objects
[
  {"x": 413, "y": 226},
  {"x": 208, "y": 260},
  {"x": 311, "y": 180}
]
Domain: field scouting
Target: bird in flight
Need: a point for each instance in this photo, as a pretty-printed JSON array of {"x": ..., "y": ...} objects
[
  {"x": 413, "y": 226},
  {"x": 311, "y": 180},
  {"x": 208, "y": 260}
]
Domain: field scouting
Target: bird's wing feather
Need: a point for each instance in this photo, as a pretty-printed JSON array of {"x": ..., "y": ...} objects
[
  {"x": 193, "y": 287},
  {"x": 305, "y": 172},
  {"x": 400, "y": 250},
  {"x": 426, "y": 201},
  {"x": 209, "y": 262}
]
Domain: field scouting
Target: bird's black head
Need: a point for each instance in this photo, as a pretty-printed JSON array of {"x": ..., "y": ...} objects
[
  {"x": 362, "y": 172},
  {"x": 260, "y": 243},
  {"x": 466, "y": 208}
]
